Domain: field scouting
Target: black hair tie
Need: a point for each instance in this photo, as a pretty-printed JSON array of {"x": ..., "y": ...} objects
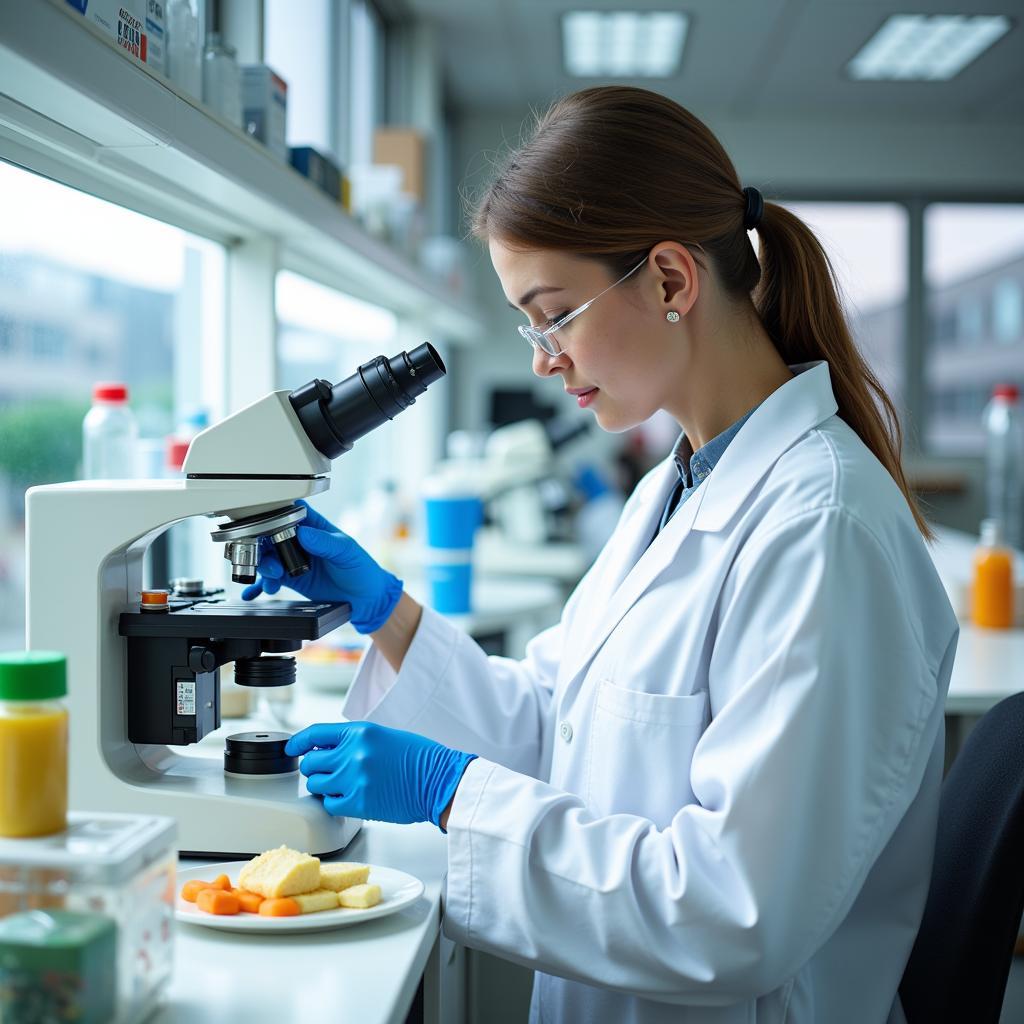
[{"x": 754, "y": 209}]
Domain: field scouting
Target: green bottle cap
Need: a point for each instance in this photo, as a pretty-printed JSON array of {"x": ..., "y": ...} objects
[{"x": 33, "y": 675}]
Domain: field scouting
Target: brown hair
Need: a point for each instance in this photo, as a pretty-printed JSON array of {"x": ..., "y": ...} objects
[{"x": 611, "y": 171}]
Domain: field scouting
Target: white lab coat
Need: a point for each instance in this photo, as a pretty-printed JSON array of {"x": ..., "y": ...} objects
[{"x": 709, "y": 794}]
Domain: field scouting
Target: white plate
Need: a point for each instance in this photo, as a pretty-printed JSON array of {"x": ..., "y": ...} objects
[{"x": 397, "y": 890}]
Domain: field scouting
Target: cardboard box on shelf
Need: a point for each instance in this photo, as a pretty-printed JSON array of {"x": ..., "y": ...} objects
[
  {"x": 320, "y": 170},
  {"x": 137, "y": 26},
  {"x": 404, "y": 147}
]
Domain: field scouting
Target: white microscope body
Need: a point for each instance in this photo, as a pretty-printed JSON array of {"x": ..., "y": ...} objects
[{"x": 85, "y": 543}]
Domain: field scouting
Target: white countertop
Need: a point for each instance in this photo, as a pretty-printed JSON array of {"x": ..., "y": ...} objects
[
  {"x": 989, "y": 663},
  {"x": 363, "y": 973}
]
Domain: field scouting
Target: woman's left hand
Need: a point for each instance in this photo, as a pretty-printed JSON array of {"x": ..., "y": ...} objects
[{"x": 364, "y": 770}]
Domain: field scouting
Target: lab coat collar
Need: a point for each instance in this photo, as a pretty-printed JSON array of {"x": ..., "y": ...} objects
[
  {"x": 782, "y": 418},
  {"x": 633, "y": 565}
]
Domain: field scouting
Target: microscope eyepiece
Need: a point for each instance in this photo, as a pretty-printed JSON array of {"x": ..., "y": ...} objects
[{"x": 335, "y": 417}]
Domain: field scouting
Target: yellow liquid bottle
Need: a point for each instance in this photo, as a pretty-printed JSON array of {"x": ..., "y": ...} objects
[
  {"x": 33, "y": 744},
  {"x": 992, "y": 587}
]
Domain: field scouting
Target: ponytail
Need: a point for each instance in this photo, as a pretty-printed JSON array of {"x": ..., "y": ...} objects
[{"x": 797, "y": 299}]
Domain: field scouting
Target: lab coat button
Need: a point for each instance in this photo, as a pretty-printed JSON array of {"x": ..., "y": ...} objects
[{"x": 565, "y": 729}]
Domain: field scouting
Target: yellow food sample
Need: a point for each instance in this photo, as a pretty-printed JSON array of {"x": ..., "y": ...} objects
[
  {"x": 342, "y": 874},
  {"x": 33, "y": 771},
  {"x": 359, "y": 896},
  {"x": 280, "y": 872},
  {"x": 320, "y": 899}
]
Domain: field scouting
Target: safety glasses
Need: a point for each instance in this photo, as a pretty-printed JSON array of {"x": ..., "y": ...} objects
[{"x": 543, "y": 339}]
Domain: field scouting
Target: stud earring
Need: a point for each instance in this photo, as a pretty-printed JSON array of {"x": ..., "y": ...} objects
[{"x": 672, "y": 316}]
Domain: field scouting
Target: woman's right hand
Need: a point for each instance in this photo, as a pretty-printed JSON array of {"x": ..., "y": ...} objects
[{"x": 340, "y": 570}]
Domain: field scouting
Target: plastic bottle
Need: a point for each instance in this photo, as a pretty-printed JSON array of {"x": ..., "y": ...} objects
[
  {"x": 33, "y": 744},
  {"x": 1004, "y": 462},
  {"x": 184, "y": 55},
  {"x": 222, "y": 80},
  {"x": 992, "y": 588},
  {"x": 110, "y": 435}
]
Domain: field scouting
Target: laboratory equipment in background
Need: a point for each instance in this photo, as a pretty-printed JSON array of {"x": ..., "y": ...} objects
[
  {"x": 110, "y": 435},
  {"x": 1004, "y": 463},
  {"x": 143, "y": 675},
  {"x": 992, "y": 585},
  {"x": 222, "y": 82},
  {"x": 527, "y": 493},
  {"x": 599, "y": 514},
  {"x": 33, "y": 744},
  {"x": 184, "y": 48},
  {"x": 265, "y": 107},
  {"x": 86, "y": 920},
  {"x": 452, "y": 513}
]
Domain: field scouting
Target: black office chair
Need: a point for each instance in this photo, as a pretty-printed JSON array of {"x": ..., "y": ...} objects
[{"x": 960, "y": 962}]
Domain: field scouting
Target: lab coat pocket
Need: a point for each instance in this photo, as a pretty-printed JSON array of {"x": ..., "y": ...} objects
[{"x": 641, "y": 746}]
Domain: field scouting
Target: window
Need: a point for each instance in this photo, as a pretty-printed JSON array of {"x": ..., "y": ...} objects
[
  {"x": 1008, "y": 311},
  {"x": 325, "y": 333},
  {"x": 366, "y": 48},
  {"x": 974, "y": 281},
  {"x": 867, "y": 245},
  {"x": 88, "y": 291},
  {"x": 297, "y": 45}
]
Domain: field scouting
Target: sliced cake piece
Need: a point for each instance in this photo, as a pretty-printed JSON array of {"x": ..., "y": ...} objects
[
  {"x": 342, "y": 874},
  {"x": 359, "y": 897},
  {"x": 321, "y": 899},
  {"x": 280, "y": 872}
]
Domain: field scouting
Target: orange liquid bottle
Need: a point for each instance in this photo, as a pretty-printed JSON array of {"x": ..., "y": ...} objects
[
  {"x": 992, "y": 587},
  {"x": 33, "y": 744}
]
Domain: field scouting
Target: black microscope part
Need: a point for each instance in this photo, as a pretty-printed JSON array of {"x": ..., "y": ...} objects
[
  {"x": 334, "y": 418},
  {"x": 258, "y": 753},
  {"x": 270, "y": 670},
  {"x": 292, "y": 556}
]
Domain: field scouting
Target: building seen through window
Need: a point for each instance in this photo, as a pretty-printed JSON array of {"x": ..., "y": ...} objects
[{"x": 88, "y": 292}]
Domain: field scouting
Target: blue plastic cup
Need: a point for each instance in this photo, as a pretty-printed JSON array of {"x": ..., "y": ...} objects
[{"x": 451, "y": 518}]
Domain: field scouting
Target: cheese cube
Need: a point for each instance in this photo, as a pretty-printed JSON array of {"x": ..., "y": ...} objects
[
  {"x": 359, "y": 896},
  {"x": 280, "y": 872},
  {"x": 320, "y": 899},
  {"x": 342, "y": 874}
]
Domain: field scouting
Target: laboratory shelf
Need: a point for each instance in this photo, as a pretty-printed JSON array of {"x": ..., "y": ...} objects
[{"x": 77, "y": 108}]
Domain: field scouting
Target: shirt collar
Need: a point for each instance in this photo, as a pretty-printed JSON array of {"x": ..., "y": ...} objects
[{"x": 694, "y": 466}]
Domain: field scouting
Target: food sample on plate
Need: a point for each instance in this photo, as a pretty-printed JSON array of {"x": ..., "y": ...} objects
[
  {"x": 284, "y": 883},
  {"x": 359, "y": 896}
]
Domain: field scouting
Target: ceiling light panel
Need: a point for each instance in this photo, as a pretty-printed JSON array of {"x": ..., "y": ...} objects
[
  {"x": 920, "y": 47},
  {"x": 625, "y": 44}
]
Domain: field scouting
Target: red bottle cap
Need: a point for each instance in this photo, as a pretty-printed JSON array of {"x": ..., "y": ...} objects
[
  {"x": 110, "y": 392},
  {"x": 176, "y": 452},
  {"x": 1010, "y": 391}
]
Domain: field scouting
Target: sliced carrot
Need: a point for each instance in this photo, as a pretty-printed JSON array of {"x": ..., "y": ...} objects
[
  {"x": 221, "y": 882},
  {"x": 283, "y": 907},
  {"x": 216, "y": 901},
  {"x": 250, "y": 901},
  {"x": 190, "y": 890}
]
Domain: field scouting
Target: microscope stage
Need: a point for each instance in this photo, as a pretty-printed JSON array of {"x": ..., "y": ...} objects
[{"x": 264, "y": 620}]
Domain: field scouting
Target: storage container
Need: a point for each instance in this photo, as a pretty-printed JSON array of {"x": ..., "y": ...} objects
[{"x": 114, "y": 868}]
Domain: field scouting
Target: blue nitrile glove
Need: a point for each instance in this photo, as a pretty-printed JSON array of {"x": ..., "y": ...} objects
[
  {"x": 364, "y": 770},
  {"x": 340, "y": 570}
]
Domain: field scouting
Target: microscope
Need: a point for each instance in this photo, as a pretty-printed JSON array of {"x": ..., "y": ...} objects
[{"x": 144, "y": 665}]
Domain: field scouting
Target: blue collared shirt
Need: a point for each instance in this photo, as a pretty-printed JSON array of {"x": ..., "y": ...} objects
[{"x": 693, "y": 471}]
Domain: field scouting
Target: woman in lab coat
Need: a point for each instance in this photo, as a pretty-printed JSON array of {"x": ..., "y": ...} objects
[{"x": 709, "y": 793}]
